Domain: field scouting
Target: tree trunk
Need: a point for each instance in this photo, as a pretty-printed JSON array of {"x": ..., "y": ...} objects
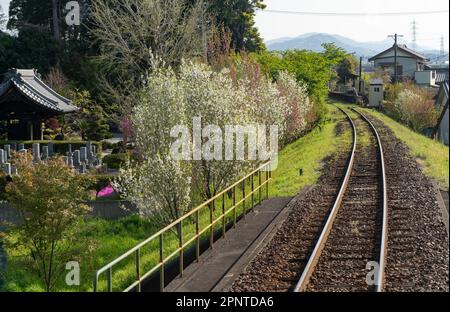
[{"x": 55, "y": 19}]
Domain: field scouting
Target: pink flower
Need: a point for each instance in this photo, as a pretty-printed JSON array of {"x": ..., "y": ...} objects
[{"x": 106, "y": 192}]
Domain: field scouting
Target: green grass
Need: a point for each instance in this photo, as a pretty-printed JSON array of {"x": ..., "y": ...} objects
[
  {"x": 432, "y": 155},
  {"x": 308, "y": 153},
  {"x": 115, "y": 237}
]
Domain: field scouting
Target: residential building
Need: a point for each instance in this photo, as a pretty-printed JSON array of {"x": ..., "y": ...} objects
[{"x": 408, "y": 62}]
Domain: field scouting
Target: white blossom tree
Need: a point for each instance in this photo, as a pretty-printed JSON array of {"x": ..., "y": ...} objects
[
  {"x": 155, "y": 182},
  {"x": 214, "y": 98}
]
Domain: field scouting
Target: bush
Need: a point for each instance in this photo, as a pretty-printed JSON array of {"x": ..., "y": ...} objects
[
  {"x": 116, "y": 161},
  {"x": 100, "y": 181},
  {"x": 411, "y": 105}
]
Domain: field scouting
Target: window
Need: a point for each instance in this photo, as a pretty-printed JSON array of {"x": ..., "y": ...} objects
[{"x": 376, "y": 89}]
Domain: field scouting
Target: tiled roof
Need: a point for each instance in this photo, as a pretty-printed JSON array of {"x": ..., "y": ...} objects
[
  {"x": 404, "y": 48},
  {"x": 30, "y": 85}
]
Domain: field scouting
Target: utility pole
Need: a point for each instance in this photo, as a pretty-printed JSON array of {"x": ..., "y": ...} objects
[
  {"x": 360, "y": 74},
  {"x": 395, "y": 36},
  {"x": 414, "y": 34}
]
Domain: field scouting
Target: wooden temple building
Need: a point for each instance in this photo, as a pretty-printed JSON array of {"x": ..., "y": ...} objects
[{"x": 25, "y": 102}]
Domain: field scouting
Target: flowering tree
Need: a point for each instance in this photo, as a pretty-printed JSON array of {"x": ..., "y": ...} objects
[
  {"x": 296, "y": 95},
  {"x": 415, "y": 109},
  {"x": 214, "y": 98},
  {"x": 156, "y": 183}
]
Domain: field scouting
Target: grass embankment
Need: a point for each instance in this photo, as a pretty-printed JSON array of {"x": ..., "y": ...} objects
[
  {"x": 115, "y": 237},
  {"x": 432, "y": 155}
]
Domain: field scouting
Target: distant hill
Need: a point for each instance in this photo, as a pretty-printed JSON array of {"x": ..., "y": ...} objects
[{"x": 313, "y": 42}]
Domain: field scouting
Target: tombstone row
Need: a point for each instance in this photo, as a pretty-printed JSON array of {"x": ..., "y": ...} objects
[{"x": 82, "y": 159}]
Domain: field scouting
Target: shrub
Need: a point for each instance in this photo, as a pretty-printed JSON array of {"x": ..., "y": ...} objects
[
  {"x": 411, "y": 105},
  {"x": 116, "y": 161},
  {"x": 49, "y": 198}
]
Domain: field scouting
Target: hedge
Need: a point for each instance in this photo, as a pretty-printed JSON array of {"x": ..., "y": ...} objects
[
  {"x": 115, "y": 161},
  {"x": 59, "y": 147}
]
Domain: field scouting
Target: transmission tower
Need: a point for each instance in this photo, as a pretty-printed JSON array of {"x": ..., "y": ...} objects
[
  {"x": 414, "y": 34},
  {"x": 442, "y": 50}
]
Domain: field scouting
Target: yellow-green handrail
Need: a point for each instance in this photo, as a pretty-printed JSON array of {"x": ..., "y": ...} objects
[{"x": 179, "y": 222}]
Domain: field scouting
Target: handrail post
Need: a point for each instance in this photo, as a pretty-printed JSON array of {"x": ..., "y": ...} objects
[
  {"x": 197, "y": 240},
  {"x": 234, "y": 206},
  {"x": 161, "y": 261},
  {"x": 223, "y": 216},
  {"x": 211, "y": 227},
  {"x": 244, "y": 212},
  {"x": 253, "y": 190},
  {"x": 180, "y": 240},
  {"x": 95, "y": 282},
  {"x": 260, "y": 186},
  {"x": 110, "y": 279},
  {"x": 138, "y": 269},
  {"x": 267, "y": 184}
]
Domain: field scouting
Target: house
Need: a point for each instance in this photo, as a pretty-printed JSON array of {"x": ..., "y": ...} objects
[
  {"x": 441, "y": 130},
  {"x": 25, "y": 101},
  {"x": 408, "y": 62}
]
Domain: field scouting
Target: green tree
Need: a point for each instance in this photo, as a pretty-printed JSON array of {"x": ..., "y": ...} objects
[
  {"x": 238, "y": 17},
  {"x": 49, "y": 198},
  {"x": 346, "y": 69},
  {"x": 90, "y": 121}
]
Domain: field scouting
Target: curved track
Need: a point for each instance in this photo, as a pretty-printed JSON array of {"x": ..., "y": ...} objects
[{"x": 351, "y": 250}]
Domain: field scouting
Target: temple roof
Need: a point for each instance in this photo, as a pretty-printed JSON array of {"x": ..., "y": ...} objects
[{"x": 28, "y": 83}]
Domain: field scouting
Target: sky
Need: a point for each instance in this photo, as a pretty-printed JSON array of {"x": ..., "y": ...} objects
[{"x": 366, "y": 28}]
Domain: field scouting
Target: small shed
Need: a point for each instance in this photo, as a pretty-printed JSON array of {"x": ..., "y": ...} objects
[
  {"x": 376, "y": 92},
  {"x": 25, "y": 101}
]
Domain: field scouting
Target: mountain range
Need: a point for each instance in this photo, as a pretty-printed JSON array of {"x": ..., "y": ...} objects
[{"x": 313, "y": 42}]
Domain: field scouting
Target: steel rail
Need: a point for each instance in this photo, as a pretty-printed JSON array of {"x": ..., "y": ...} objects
[
  {"x": 314, "y": 258},
  {"x": 383, "y": 248}
]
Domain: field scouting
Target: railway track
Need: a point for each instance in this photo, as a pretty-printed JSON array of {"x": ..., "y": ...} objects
[{"x": 353, "y": 238}]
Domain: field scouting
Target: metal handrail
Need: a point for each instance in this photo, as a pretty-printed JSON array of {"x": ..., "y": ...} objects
[{"x": 179, "y": 222}]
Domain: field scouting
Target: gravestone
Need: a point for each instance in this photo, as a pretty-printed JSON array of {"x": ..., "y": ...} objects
[
  {"x": 76, "y": 159},
  {"x": 8, "y": 151},
  {"x": 70, "y": 148},
  {"x": 7, "y": 168},
  {"x": 83, "y": 154},
  {"x": 69, "y": 159},
  {"x": 21, "y": 147},
  {"x": 36, "y": 152},
  {"x": 45, "y": 152},
  {"x": 14, "y": 146},
  {"x": 2, "y": 157},
  {"x": 83, "y": 168},
  {"x": 51, "y": 150}
]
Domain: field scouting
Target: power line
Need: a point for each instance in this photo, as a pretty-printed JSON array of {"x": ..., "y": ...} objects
[{"x": 356, "y": 13}]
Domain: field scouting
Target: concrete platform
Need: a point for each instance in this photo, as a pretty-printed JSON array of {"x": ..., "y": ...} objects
[{"x": 220, "y": 266}]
